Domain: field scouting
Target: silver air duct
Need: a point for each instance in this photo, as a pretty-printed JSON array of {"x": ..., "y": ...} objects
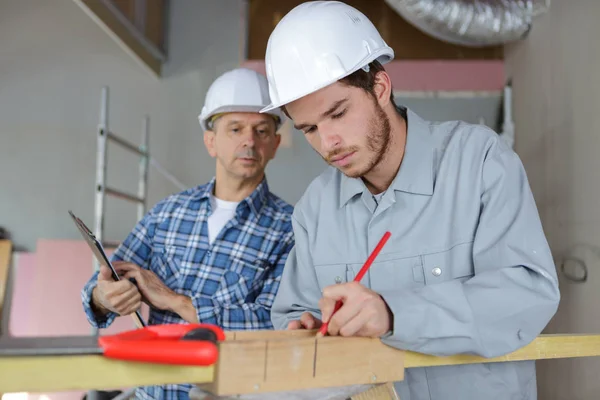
[{"x": 472, "y": 23}]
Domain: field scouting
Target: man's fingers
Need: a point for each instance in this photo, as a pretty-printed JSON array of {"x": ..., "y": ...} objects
[
  {"x": 340, "y": 291},
  {"x": 131, "y": 306},
  {"x": 353, "y": 325},
  {"x": 326, "y": 305},
  {"x": 347, "y": 312},
  {"x": 104, "y": 274},
  {"x": 121, "y": 267},
  {"x": 136, "y": 274},
  {"x": 294, "y": 325},
  {"x": 120, "y": 287},
  {"x": 122, "y": 299},
  {"x": 308, "y": 321}
]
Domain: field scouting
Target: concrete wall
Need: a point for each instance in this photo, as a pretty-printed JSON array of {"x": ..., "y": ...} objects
[
  {"x": 53, "y": 62},
  {"x": 557, "y": 98}
]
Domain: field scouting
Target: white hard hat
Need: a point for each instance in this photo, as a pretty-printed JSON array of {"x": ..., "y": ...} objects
[
  {"x": 238, "y": 90},
  {"x": 317, "y": 44}
]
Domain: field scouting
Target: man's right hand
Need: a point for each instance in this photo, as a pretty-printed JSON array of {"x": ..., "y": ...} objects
[
  {"x": 306, "y": 321},
  {"x": 121, "y": 297}
]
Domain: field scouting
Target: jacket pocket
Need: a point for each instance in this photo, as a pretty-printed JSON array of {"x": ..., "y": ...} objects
[
  {"x": 241, "y": 281},
  {"x": 331, "y": 274},
  {"x": 453, "y": 263},
  {"x": 391, "y": 273}
]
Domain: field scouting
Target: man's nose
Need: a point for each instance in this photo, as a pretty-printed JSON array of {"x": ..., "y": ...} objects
[
  {"x": 249, "y": 137},
  {"x": 330, "y": 140}
]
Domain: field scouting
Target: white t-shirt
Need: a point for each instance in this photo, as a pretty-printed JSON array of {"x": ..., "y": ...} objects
[{"x": 223, "y": 211}]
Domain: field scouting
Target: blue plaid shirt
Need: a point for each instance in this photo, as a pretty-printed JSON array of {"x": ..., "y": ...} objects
[{"x": 232, "y": 283}]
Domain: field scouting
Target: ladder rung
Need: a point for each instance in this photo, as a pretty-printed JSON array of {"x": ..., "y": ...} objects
[
  {"x": 108, "y": 244},
  {"x": 123, "y": 195},
  {"x": 126, "y": 144}
]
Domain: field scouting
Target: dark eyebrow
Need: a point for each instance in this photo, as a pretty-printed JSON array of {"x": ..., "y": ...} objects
[{"x": 327, "y": 113}]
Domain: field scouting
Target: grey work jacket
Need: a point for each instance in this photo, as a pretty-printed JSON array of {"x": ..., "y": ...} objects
[{"x": 466, "y": 270}]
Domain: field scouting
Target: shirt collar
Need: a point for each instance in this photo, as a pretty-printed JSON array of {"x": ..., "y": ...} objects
[
  {"x": 416, "y": 171},
  {"x": 256, "y": 200}
]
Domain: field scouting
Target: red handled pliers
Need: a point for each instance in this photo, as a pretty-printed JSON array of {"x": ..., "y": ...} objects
[{"x": 178, "y": 344}]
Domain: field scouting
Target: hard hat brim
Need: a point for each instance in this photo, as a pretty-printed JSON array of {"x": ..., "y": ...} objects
[
  {"x": 384, "y": 56},
  {"x": 203, "y": 119}
]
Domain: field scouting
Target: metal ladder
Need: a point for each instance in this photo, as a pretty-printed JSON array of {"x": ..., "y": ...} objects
[{"x": 102, "y": 189}]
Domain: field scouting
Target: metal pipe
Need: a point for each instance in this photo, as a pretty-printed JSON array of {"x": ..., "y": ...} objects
[
  {"x": 473, "y": 23},
  {"x": 100, "y": 193},
  {"x": 122, "y": 195},
  {"x": 101, "y": 169},
  {"x": 143, "y": 180},
  {"x": 508, "y": 125},
  {"x": 124, "y": 143},
  {"x": 109, "y": 244}
]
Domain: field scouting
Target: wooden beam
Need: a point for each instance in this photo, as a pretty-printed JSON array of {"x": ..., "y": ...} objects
[
  {"x": 256, "y": 362},
  {"x": 544, "y": 347},
  {"x": 5, "y": 257},
  {"x": 108, "y": 21},
  {"x": 87, "y": 372},
  {"x": 284, "y": 364},
  {"x": 384, "y": 391},
  {"x": 273, "y": 360}
]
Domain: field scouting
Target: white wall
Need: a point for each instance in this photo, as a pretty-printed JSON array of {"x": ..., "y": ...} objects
[
  {"x": 557, "y": 99},
  {"x": 53, "y": 62}
]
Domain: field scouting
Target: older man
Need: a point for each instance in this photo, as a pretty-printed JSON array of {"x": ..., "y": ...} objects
[{"x": 213, "y": 253}]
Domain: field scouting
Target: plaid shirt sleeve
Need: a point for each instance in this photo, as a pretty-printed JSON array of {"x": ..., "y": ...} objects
[
  {"x": 136, "y": 249},
  {"x": 230, "y": 310}
]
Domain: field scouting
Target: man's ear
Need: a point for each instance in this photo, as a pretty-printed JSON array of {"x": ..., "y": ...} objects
[
  {"x": 277, "y": 143},
  {"x": 382, "y": 88},
  {"x": 209, "y": 142}
]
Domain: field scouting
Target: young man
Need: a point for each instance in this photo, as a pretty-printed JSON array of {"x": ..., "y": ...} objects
[
  {"x": 467, "y": 268},
  {"x": 213, "y": 253}
]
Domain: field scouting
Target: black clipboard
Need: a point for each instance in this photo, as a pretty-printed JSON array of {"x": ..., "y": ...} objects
[{"x": 100, "y": 255}]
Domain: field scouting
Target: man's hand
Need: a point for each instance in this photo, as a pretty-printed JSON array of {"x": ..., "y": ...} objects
[
  {"x": 155, "y": 293},
  {"x": 363, "y": 313},
  {"x": 121, "y": 297},
  {"x": 306, "y": 321}
]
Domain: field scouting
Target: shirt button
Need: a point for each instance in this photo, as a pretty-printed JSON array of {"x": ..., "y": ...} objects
[
  {"x": 338, "y": 279},
  {"x": 437, "y": 271}
]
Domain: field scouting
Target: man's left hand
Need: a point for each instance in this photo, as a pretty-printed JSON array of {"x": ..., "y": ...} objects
[
  {"x": 363, "y": 313},
  {"x": 155, "y": 293}
]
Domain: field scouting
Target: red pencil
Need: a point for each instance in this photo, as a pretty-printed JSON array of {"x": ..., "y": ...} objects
[{"x": 358, "y": 277}]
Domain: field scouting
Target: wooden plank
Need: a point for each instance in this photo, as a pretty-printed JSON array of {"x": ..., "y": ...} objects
[
  {"x": 247, "y": 366},
  {"x": 385, "y": 391},
  {"x": 5, "y": 257},
  {"x": 116, "y": 30},
  {"x": 544, "y": 347},
  {"x": 294, "y": 363},
  {"x": 70, "y": 373},
  {"x": 269, "y": 334},
  {"x": 241, "y": 366}
]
